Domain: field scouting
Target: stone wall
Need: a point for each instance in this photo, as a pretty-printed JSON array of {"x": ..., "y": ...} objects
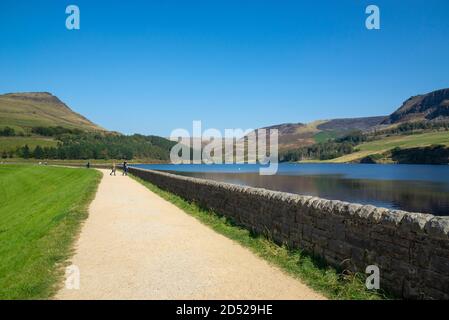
[{"x": 411, "y": 249}]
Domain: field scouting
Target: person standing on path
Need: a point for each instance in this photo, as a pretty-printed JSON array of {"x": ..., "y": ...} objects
[
  {"x": 125, "y": 168},
  {"x": 113, "y": 169}
]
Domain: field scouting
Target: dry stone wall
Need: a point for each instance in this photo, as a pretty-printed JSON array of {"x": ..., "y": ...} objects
[{"x": 410, "y": 249}]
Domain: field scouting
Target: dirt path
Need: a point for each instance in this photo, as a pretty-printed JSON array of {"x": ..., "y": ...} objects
[{"x": 135, "y": 245}]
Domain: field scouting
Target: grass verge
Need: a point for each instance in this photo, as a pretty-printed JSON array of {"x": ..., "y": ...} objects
[
  {"x": 332, "y": 283},
  {"x": 41, "y": 211}
]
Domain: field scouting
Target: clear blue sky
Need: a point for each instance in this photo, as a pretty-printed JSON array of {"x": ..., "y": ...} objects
[{"x": 152, "y": 66}]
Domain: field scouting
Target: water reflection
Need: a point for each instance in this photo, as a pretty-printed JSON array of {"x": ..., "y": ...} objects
[
  {"x": 418, "y": 188},
  {"x": 417, "y": 196}
]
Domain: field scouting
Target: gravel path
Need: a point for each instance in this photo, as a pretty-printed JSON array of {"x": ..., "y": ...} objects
[{"x": 135, "y": 245}]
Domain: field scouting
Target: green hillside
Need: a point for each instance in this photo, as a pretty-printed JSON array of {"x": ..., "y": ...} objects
[
  {"x": 40, "y": 126},
  {"x": 417, "y": 132},
  {"x": 408, "y": 142},
  {"x": 22, "y": 111},
  {"x": 400, "y": 141}
]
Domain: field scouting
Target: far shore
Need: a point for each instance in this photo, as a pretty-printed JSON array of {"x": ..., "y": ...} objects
[{"x": 107, "y": 163}]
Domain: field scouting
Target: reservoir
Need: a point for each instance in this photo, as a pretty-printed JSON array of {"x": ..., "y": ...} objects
[{"x": 415, "y": 188}]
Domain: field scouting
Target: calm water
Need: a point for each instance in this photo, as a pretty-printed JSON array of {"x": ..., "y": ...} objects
[{"x": 419, "y": 188}]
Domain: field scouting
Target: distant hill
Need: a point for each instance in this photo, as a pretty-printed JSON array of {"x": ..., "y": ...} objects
[
  {"x": 39, "y": 125},
  {"x": 346, "y": 124},
  {"x": 430, "y": 106},
  {"x": 294, "y": 135},
  {"x": 22, "y": 111}
]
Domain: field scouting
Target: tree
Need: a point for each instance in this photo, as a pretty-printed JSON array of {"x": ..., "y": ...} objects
[
  {"x": 7, "y": 132},
  {"x": 38, "y": 153},
  {"x": 25, "y": 152}
]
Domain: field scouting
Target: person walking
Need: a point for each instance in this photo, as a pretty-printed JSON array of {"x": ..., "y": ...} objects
[
  {"x": 113, "y": 169},
  {"x": 125, "y": 168}
]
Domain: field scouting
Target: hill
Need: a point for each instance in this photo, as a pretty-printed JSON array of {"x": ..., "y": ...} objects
[
  {"x": 22, "y": 111},
  {"x": 39, "y": 125},
  {"x": 417, "y": 131},
  {"x": 430, "y": 106},
  {"x": 352, "y": 139},
  {"x": 350, "y": 124},
  {"x": 296, "y": 135}
]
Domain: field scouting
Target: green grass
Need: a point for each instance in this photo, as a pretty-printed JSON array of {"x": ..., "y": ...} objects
[
  {"x": 312, "y": 271},
  {"x": 409, "y": 141},
  {"x": 41, "y": 210},
  {"x": 324, "y": 136},
  {"x": 402, "y": 141},
  {"x": 12, "y": 143}
]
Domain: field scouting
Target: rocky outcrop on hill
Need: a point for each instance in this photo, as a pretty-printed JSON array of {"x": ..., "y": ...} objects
[{"x": 430, "y": 106}]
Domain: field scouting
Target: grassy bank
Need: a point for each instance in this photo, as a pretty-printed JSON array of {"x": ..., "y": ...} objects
[
  {"x": 389, "y": 143},
  {"x": 41, "y": 209},
  {"x": 315, "y": 273}
]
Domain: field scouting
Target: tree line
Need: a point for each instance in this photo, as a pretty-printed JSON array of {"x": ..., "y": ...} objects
[
  {"x": 435, "y": 154},
  {"x": 325, "y": 150},
  {"x": 322, "y": 151},
  {"x": 41, "y": 131},
  {"x": 54, "y": 131},
  {"x": 410, "y": 127},
  {"x": 76, "y": 144},
  {"x": 88, "y": 146}
]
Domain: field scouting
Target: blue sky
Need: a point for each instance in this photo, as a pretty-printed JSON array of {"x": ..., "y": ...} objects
[{"x": 153, "y": 66}]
